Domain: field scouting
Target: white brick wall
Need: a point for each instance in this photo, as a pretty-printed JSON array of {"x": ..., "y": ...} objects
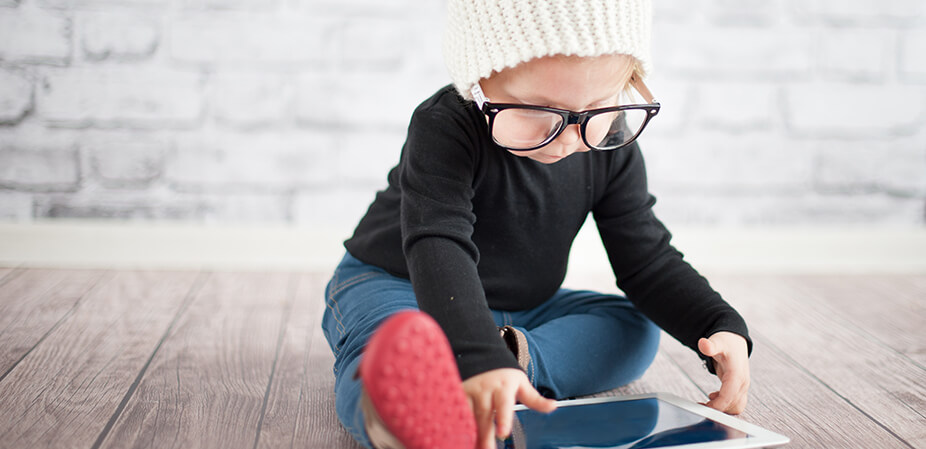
[
  {"x": 775, "y": 112},
  {"x": 911, "y": 61},
  {"x": 31, "y": 169},
  {"x": 121, "y": 96},
  {"x": 15, "y": 96},
  {"x": 129, "y": 160},
  {"x": 120, "y": 35},
  {"x": 29, "y": 34}
]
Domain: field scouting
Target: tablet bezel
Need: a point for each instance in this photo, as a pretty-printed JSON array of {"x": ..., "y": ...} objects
[{"x": 758, "y": 437}]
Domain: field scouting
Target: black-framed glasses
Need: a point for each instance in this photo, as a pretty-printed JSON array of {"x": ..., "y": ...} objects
[{"x": 521, "y": 127}]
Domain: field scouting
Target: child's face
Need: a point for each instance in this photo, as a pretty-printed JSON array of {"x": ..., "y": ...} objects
[{"x": 572, "y": 83}]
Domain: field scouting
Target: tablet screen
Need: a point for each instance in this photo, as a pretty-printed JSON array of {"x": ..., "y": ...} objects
[{"x": 638, "y": 423}]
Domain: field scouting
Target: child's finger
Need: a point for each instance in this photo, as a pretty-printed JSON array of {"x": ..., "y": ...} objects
[
  {"x": 482, "y": 408},
  {"x": 731, "y": 391},
  {"x": 504, "y": 413},
  {"x": 721, "y": 402},
  {"x": 489, "y": 442},
  {"x": 735, "y": 406},
  {"x": 725, "y": 396},
  {"x": 529, "y": 396},
  {"x": 707, "y": 347}
]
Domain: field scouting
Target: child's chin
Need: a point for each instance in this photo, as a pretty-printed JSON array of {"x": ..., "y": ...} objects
[
  {"x": 547, "y": 159},
  {"x": 539, "y": 157}
]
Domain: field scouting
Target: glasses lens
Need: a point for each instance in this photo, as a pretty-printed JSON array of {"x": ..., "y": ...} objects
[
  {"x": 518, "y": 128},
  {"x": 610, "y": 130}
]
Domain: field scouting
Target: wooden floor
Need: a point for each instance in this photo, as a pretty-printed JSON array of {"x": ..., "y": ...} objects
[{"x": 113, "y": 359}]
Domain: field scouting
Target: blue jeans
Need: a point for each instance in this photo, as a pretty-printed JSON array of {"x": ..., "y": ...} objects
[{"x": 580, "y": 342}]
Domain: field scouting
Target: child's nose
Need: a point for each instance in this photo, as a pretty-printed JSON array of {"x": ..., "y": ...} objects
[{"x": 569, "y": 136}]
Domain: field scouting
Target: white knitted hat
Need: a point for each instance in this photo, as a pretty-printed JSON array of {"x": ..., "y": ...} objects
[{"x": 485, "y": 36}]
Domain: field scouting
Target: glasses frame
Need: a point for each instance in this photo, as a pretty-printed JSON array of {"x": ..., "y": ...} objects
[{"x": 580, "y": 118}]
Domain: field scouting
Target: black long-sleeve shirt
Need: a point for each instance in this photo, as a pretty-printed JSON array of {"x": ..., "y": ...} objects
[{"x": 475, "y": 227}]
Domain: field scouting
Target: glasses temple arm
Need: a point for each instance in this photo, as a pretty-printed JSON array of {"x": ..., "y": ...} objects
[
  {"x": 640, "y": 87},
  {"x": 478, "y": 96}
]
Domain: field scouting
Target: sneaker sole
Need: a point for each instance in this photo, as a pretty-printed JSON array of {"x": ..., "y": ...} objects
[{"x": 410, "y": 375}]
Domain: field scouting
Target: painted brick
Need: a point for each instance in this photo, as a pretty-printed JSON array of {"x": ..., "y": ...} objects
[
  {"x": 39, "y": 170},
  {"x": 677, "y": 105},
  {"x": 363, "y": 99},
  {"x": 738, "y": 140},
  {"x": 678, "y": 208},
  {"x": 231, "y": 4},
  {"x": 736, "y": 107},
  {"x": 912, "y": 63},
  {"x": 364, "y": 7},
  {"x": 897, "y": 167},
  {"x": 742, "y": 12},
  {"x": 423, "y": 49},
  {"x": 55, "y": 4},
  {"x": 246, "y": 208},
  {"x": 249, "y": 39},
  {"x": 125, "y": 160},
  {"x": 35, "y": 134},
  {"x": 673, "y": 11},
  {"x": 30, "y": 34},
  {"x": 772, "y": 210},
  {"x": 250, "y": 99},
  {"x": 15, "y": 206},
  {"x": 860, "y": 12},
  {"x": 843, "y": 210},
  {"x": 332, "y": 209},
  {"x": 15, "y": 96},
  {"x": 717, "y": 161},
  {"x": 373, "y": 43},
  {"x": 134, "y": 97},
  {"x": 150, "y": 5},
  {"x": 855, "y": 55},
  {"x": 266, "y": 162},
  {"x": 117, "y": 206},
  {"x": 118, "y": 35},
  {"x": 741, "y": 52},
  {"x": 854, "y": 111},
  {"x": 366, "y": 157}
]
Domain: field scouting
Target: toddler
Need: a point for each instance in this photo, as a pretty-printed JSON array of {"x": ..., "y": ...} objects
[{"x": 447, "y": 308}]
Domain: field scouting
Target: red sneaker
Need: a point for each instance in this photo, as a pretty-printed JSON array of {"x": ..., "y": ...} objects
[{"x": 413, "y": 395}]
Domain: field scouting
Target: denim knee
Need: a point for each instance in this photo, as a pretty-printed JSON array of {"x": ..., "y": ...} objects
[{"x": 644, "y": 352}]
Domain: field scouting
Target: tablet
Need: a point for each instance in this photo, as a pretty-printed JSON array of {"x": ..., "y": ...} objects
[{"x": 638, "y": 421}]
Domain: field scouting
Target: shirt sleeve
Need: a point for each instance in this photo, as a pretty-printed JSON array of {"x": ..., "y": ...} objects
[
  {"x": 649, "y": 270},
  {"x": 438, "y": 166}
]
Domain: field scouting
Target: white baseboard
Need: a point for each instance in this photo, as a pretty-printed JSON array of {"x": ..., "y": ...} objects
[{"x": 184, "y": 246}]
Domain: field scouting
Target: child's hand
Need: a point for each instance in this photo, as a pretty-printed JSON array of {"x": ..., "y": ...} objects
[
  {"x": 496, "y": 391},
  {"x": 731, "y": 363}
]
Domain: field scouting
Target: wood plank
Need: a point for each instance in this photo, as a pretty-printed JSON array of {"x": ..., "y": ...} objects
[
  {"x": 294, "y": 406},
  {"x": 919, "y": 287},
  {"x": 883, "y": 383},
  {"x": 323, "y": 428},
  {"x": 32, "y": 303},
  {"x": 4, "y": 272},
  {"x": 862, "y": 373},
  {"x": 785, "y": 399},
  {"x": 206, "y": 385},
  {"x": 890, "y": 308},
  {"x": 12, "y": 274},
  {"x": 281, "y": 415},
  {"x": 65, "y": 390}
]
